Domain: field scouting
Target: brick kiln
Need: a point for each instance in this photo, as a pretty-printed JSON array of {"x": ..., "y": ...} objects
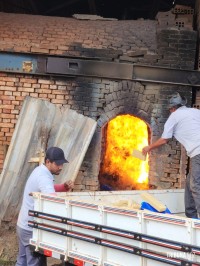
[{"x": 142, "y": 63}]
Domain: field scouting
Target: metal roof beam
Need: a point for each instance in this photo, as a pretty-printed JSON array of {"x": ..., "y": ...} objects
[{"x": 35, "y": 64}]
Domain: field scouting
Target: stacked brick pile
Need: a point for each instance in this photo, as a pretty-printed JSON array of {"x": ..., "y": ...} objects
[
  {"x": 180, "y": 17},
  {"x": 184, "y": 17},
  {"x": 72, "y": 37}
]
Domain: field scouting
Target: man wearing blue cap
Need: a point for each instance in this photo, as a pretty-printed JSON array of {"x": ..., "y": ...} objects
[
  {"x": 40, "y": 180},
  {"x": 184, "y": 124}
]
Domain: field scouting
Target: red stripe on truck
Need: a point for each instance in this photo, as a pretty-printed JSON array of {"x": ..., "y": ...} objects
[
  {"x": 78, "y": 262},
  {"x": 47, "y": 253}
]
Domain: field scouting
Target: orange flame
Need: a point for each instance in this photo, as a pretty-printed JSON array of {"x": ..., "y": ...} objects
[{"x": 124, "y": 134}]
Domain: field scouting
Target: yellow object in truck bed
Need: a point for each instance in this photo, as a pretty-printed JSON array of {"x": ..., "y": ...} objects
[{"x": 158, "y": 205}]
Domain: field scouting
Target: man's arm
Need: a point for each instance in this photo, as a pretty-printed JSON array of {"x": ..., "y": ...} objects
[
  {"x": 67, "y": 186},
  {"x": 154, "y": 145}
]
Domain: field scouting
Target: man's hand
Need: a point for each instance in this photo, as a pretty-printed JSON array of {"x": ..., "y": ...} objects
[
  {"x": 154, "y": 145},
  {"x": 145, "y": 150},
  {"x": 69, "y": 185}
]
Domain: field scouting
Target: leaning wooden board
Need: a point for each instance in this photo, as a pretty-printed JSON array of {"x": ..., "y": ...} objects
[
  {"x": 39, "y": 126},
  {"x": 73, "y": 133}
]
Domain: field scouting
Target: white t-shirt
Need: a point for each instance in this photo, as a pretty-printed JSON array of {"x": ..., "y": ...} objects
[
  {"x": 40, "y": 180},
  {"x": 184, "y": 125}
]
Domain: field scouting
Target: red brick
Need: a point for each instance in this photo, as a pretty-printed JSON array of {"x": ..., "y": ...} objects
[
  {"x": 6, "y": 125},
  {"x": 8, "y": 88},
  {"x": 17, "y": 93},
  {"x": 9, "y": 93},
  {"x": 6, "y": 102},
  {"x": 20, "y": 98},
  {"x": 38, "y": 50},
  {"x": 43, "y": 91},
  {"x": 51, "y": 96},
  {"x": 42, "y": 95},
  {"x": 48, "y": 82},
  {"x": 6, "y": 120},
  {"x": 21, "y": 49},
  {"x": 10, "y": 83},
  {"x": 8, "y": 139},
  {"x": 24, "y": 94},
  {"x": 6, "y": 111},
  {"x": 9, "y": 134},
  {"x": 60, "y": 97},
  {"x": 58, "y": 92},
  {"x": 34, "y": 95},
  {"x": 7, "y": 106},
  {"x": 30, "y": 80},
  {"x": 56, "y": 101},
  {"x": 27, "y": 85},
  {"x": 12, "y": 79},
  {"x": 16, "y": 102},
  {"x": 12, "y": 130},
  {"x": 9, "y": 116},
  {"x": 15, "y": 112},
  {"x": 7, "y": 97},
  {"x": 5, "y": 129},
  {"x": 53, "y": 87}
]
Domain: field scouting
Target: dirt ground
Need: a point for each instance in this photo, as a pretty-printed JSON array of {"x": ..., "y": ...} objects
[{"x": 9, "y": 247}]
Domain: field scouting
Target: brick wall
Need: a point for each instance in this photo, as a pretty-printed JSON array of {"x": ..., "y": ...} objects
[
  {"x": 137, "y": 41},
  {"x": 72, "y": 37},
  {"x": 177, "y": 47},
  {"x": 101, "y": 99}
]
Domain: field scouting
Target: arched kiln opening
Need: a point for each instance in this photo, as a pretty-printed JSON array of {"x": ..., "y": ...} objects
[{"x": 120, "y": 170}]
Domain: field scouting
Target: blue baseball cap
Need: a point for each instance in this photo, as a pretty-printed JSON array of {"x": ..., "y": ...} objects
[{"x": 55, "y": 154}]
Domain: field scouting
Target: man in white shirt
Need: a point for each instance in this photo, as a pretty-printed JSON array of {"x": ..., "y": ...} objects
[
  {"x": 184, "y": 124},
  {"x": 40, "y": 180}
]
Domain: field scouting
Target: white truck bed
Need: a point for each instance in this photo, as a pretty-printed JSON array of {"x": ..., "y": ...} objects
[{"x": 85, "y": 228}]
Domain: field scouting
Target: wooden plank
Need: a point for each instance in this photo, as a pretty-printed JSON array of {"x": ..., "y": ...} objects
[
  {"x": 91, "y": 17},
  {"x": 158, "y": 205},
  {"x": 30, "y": 135},
  {"x": 72, "y": 132},
  {"x": 138, "y": 154},
  {"x": 41, "y": 125}
]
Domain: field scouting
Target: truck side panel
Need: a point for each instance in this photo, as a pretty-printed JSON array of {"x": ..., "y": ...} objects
[{"x": 101, "y": 247}]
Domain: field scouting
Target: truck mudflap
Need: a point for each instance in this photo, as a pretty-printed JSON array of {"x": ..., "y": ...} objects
[{"x": 188, "y": 251}]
